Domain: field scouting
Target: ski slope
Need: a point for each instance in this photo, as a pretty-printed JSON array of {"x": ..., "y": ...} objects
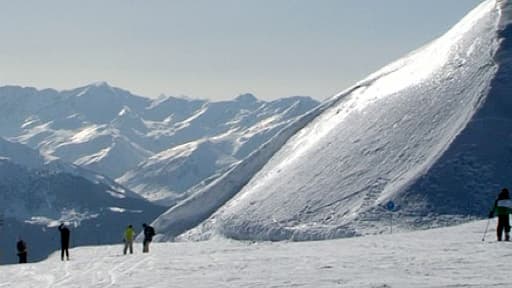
[
  {"x": 429, "y": 131},
  {"x": 445, "y": 257}
]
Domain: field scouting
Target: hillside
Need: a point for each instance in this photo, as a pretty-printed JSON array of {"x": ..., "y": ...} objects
[{"x": 428, "y": 132}]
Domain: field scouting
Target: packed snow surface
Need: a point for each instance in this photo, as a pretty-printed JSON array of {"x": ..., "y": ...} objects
[{"x": 446, "y": 257}]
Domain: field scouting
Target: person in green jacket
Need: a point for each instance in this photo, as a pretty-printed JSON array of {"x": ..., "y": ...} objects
[
  {"x": 503, "y": 215},
  {"x": 129, "y": 235}
]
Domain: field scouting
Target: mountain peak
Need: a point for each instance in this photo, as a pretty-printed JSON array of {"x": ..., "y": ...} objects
[
  {"x": 99, "y": 84},
  {"x": 247, "y": 97}
]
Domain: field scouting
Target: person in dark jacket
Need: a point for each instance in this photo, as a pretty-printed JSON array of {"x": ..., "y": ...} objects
[
  {"x": 503, "y": 215},
  {"x": 149, "y": 232},
  {"x": 64, "y": 241},
  {"x": 21, "y": 246}
]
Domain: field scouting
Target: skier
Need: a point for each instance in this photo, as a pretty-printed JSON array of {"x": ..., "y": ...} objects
[
  {"x": 503, "y": 215},
  {"x": 64, "y": 241},
  {"x": 149, "y": 232},
  {"x": 129, "y": 233},
  {"x": 21, "y": 246}
]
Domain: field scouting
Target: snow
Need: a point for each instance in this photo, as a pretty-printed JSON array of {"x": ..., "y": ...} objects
[
  {"x": 117, "y": 209},
  {"x": 171, "y": 174},
  {"x": 36, "y": 196},
  {"x": 68, "y": 216},
  {"x": 118, "y": 155},
  {"x": 185, "y": 165},
  {"x": 88, "y": 133},
  {"x": 83, "y": 92},
  {"x": 425, "y": 131},
  {"x": 208, "y": 199},
  {"x": 100, "y": 84},
  {"x": 447, "y": 257},
  {"x": 429, "y": 131},
  {"x": 23, "y": 155},
  {"x": 111, "y": 131}
]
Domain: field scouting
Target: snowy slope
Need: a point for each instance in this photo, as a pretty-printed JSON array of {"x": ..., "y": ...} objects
[
  {"x": 113, "y": 132},
  {"x": 118, "y": 154},
  {"x": 448, "y": 257},
  {"x": 177, "y": 172},
  {"x": 428, "y": 131},
  {"x": 167, "y": 175}
]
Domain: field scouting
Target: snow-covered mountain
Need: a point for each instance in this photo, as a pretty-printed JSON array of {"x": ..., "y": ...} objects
[
  {"x": 125, "y": 136},
  {"x": 36, "y": 194},
  {"x": 178, "y": 170},
  {"x": 21, "y": 154},
  {"x": 174, "y": 173},
  {"x": 429, "y": 132}
]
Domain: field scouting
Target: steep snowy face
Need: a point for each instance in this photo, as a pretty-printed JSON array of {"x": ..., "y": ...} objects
[{"x": 429, "y": 131}]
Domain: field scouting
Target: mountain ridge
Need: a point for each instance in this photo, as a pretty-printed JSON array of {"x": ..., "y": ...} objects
[
  {"x": 112, "y": 131},
  {"x": 411, "y": 133}
]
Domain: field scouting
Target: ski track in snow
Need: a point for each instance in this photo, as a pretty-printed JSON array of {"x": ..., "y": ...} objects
[{"x": 445, "y": 257}]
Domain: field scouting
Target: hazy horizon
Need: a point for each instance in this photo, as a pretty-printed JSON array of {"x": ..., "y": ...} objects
[{"x": 214, "y": 49}]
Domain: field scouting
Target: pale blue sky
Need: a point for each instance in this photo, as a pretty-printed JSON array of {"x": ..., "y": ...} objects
[{"x": 214, "y": 49}]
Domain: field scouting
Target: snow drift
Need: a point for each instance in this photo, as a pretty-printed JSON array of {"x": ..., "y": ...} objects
[{"x": 430, "y": 131}]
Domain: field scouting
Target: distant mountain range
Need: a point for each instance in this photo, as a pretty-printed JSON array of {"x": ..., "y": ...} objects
[
  {"x": 37, "y": 194},
  {"x": 163, "y": 149}
]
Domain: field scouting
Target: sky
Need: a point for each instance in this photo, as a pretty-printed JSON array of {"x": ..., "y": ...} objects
[{"x": 214, "y": 49}]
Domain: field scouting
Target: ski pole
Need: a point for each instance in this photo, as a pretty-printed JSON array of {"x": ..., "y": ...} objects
[{"x": 486, "y": 227}]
